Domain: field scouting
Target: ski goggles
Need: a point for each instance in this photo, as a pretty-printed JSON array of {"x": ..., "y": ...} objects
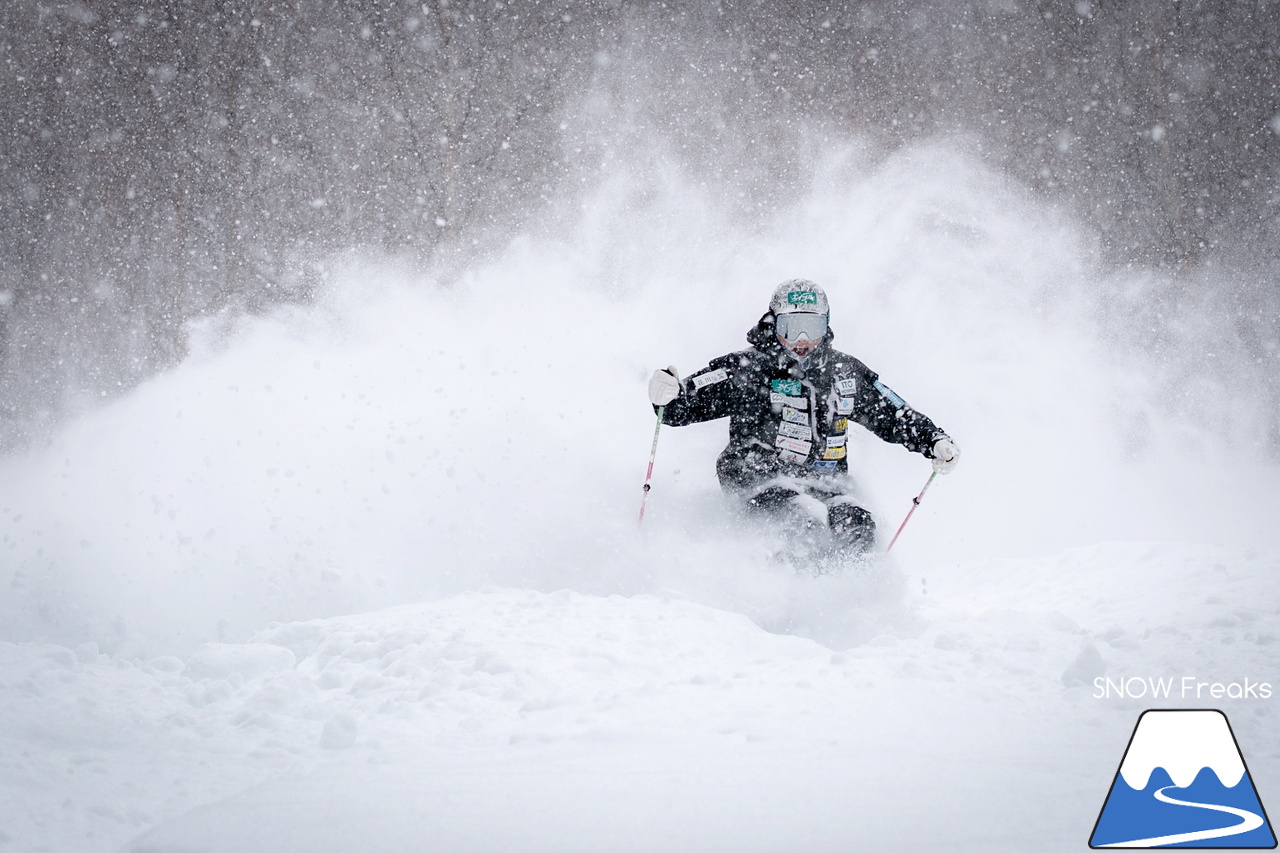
[{"x": 793, "y": 327}]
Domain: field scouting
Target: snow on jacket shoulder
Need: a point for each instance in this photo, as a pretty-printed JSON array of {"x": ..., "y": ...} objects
[{"x": 801, "y": 414}]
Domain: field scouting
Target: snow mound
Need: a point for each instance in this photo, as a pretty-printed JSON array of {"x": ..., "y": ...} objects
[{"x": 246, "y": 660}]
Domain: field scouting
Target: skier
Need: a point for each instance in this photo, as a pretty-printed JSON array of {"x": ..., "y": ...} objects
[{"x": 789, "y": 399}]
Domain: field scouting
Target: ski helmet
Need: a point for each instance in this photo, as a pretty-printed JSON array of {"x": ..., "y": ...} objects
[{"x": 800, "y": 312}]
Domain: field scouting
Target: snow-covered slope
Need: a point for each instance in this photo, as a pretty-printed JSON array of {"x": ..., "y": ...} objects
[
  {"x": 368, "y": 573},
  {"x": 520, "y": 720}
]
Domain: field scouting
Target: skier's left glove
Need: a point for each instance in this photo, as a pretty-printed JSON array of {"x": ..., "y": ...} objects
[{"x": 944, "y": 454}]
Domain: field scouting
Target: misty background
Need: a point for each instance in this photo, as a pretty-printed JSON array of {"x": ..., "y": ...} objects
[{"x": 164, "y": 162}]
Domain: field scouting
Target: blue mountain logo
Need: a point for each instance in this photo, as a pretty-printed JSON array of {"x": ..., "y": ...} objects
[{"x": 1183, "y": 783}]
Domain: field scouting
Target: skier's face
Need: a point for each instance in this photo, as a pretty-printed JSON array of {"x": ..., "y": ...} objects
[
  {"x": 800, "y": 349},
  {"x": 801, "y": 333}
]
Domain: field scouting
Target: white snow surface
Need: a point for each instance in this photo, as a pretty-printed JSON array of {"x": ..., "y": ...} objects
[
  {"x": 1183, "y": 743},
  {"x": 366, "y": 575}
]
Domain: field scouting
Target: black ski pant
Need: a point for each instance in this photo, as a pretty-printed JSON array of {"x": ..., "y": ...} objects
[{"x": 753, "y": 475}]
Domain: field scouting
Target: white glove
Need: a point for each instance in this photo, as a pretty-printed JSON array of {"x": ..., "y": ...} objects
[
  {"x": 945, "y": 455},
  {"x": 664, "y": 386}
]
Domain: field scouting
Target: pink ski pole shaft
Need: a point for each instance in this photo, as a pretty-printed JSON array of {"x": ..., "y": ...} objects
[
  {"x": 652, "y": 454},
  {"x": 915, "y": 502}
]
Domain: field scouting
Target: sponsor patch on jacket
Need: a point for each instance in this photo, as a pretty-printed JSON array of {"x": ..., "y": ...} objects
[
  {"x": 791, "y": 456},
  {"x": 793, "y": 416},
  {"x": 840, "y": 424},
  {"x": 799, "y": 431},
  {"x": 783, "y": 400},
  {"x": 836, "y": 440},
  {"x": 833, "y": 453},
  {"x": 790, "y": 387},
  {"x": 795, "y": 446},
  {"x": 717, "y": 375},
  {"x": 897, "y": 401},
  {"x": 846, "y": 387},
  {"x": 844, "y": 405},
  {"x": 824, "y": 465}
]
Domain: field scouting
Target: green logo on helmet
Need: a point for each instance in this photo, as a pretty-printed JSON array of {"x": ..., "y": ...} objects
[{"x": 802, "y": 297}]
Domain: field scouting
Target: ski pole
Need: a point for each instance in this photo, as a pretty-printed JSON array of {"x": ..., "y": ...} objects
[
  {"x": 915, "y": 502},
  {"x": 652, "y": 453}
]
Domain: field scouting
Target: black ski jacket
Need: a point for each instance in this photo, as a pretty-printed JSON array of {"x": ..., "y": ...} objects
[{"x": 793, "y": 421}]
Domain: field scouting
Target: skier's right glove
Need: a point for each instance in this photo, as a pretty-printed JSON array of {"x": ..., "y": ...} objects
[
  {"x": 944, "y": 454},
  {"x": 664, "y": 386}
]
